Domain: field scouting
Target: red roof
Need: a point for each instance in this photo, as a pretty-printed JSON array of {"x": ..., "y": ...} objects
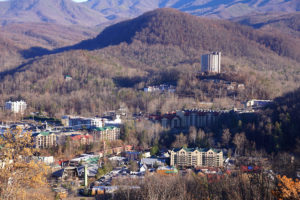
[{"x": 79, "y": 137}]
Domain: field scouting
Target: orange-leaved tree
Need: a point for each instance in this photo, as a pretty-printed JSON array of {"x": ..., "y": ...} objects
[
  {"x": 287, "y": 188},
  {"x": 20, "y": 176}
]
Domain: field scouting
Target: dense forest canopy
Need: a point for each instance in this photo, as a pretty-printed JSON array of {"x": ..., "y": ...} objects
[{"x": 161, "y": 46}]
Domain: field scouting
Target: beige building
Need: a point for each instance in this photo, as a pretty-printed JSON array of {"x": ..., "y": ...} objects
[
  {"x": 196, "y": 157},
  {"x": 44, "y": 140},
  {"x": 109, "y": 133}
]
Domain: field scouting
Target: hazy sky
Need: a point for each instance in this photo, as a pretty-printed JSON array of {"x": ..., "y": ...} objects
[{"x": 72, "y": 0}]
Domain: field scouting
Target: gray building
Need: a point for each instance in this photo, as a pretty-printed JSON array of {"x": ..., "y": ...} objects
[{"x": 211, "y": 62}]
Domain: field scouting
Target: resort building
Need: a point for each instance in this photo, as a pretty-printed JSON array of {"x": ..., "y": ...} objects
[
  {"x": 196, "y": 157},
  {"x": 44, "y": 140},
  {"x": 183, "y": 119},
  {"x": 108, "y": 133},
  {"x": 16, "y": 106},
  {"x": 211, "y": 63}
]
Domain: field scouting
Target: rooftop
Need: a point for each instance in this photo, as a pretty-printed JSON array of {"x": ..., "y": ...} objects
[{"x": 196, "y": 149}]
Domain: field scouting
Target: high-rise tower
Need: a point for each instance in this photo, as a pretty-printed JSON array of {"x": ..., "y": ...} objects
[{"x": 211, "y": 62}]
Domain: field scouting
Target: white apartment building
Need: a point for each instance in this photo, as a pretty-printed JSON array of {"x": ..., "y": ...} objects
[
  {"x": 82, "y": 122},
  {"x": 211, "y": 62},
  {"x": 16, "y": 106}
]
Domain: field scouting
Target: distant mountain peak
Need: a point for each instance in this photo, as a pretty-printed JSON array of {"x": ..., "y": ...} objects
[
  {"x": 93, "y": 12},
  {"x": 64, "y": 12}
]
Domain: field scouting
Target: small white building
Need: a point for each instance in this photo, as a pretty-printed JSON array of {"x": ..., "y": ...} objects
[
  {"x": 117, "y": 121},
  {"x": 255, "y": 103},
  {"x": 16, "y": 106},
  {"x": 48, "y": 160},
  {"x": 82, "y": 122}
]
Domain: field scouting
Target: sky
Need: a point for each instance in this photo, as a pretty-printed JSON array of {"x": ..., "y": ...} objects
[{"x": 72, "y": 0}]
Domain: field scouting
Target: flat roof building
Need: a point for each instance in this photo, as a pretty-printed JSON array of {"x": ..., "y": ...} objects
[
  {"x": 211, "y": 63},
  {"x": 16, "y": 106}
]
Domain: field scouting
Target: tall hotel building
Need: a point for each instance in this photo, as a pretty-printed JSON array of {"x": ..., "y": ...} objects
[{"x": 211, "y": 62}]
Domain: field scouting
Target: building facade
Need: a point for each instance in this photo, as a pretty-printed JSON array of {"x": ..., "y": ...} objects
[
  {"x": 82, "y": 139},
  {"x": 82, "y": 122},
  {"x": 44, "y": 140},
  {"x": 254, "y": 103},
  {"x": 196, "y": 157},
  {"x": 211, "y": 63},
  {"x": 186, "y": 118},
  {"x": 16, "y": 106},
  {"x": 109, "y": 133}
]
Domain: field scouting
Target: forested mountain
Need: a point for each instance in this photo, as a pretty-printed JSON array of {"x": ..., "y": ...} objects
[
  {"x": 213, "y": 8},
  {"x": 161, "y": 46},
  {"x": 171, "y": 27},
  {"x": 9, "y": 56},
  {"x": 19, "y": 41},
  {"x": 93, "y": 12},
  {"x": 284, "y": 23},
  {"x": 64, "y": 12}
]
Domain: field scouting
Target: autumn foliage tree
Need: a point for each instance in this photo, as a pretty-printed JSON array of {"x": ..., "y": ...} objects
[
  {"x": 287, "y": 188},
  {"x": 20, "y": 176}
]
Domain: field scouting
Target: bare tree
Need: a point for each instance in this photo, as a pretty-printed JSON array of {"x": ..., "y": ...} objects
[
  {"x": 192, "y": 135},
  {"x": 180, "y": 141},
  {"x": 200, "y": 134},
  {"x": 226, "y": 136},
  {"x": 239, "y": 140}
]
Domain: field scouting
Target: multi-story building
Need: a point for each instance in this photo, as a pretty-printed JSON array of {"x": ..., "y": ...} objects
[
  {"x": 196, "y": 157},
  {"x": 211, "y": 62},
  {"x": 82, "y": 122},
  {"x": 109, "y": 133},
  {"x": 16, "y": 106},
  {"x": 254, "y": 103},
  {"x": 187, "y": 118},
  {"x": 44, "y": 140}
]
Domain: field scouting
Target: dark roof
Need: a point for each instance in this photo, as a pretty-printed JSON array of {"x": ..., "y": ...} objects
[{"x": 194, "y": 149}]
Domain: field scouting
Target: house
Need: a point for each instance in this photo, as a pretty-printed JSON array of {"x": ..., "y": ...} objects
[
  {"x": 48, "y": 160},
  {"x": 160, "y": 88},
  {"x": 132, "y": 155},
  {"x": 82, "y": 139},
  {"x": 68, "y": 78},
  {"x": 44, "y": 140},
  {"x": 143, "y": 168},
  {"x": 196, "y": 157},
  {"x": 151, "y": 162}
]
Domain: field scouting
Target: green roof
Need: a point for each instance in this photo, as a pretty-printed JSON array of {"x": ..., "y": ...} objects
[
  {"x": 104, "y": 128},
  {"x": 44, "y": 133}
]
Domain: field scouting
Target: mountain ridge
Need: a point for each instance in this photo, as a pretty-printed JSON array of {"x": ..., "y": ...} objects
[
  {"x": 94, "y": 12},
  {"x": 109, "y": 68},
  {"x": 64, "y": 12}
]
